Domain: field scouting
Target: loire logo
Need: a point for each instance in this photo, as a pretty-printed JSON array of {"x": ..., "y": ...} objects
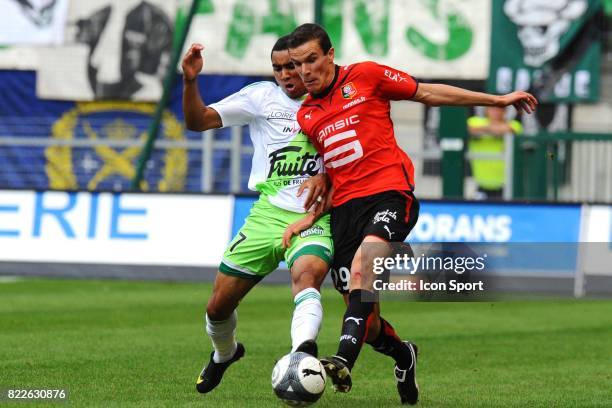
[
  {"x": 349, "y": 91},
  {"x": 541, "y": 24},
  {"x": 281, "y": 115}
]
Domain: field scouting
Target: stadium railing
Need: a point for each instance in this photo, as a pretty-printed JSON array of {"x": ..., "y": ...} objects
[{"x": 565, "y": 166}]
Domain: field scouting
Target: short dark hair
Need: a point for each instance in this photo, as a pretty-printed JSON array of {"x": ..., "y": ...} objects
[
  {"x": 281, "y": 44},
  {"x": 307, "y": 32}
]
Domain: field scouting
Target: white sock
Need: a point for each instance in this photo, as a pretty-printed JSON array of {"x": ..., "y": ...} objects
[
  {"x": 307, "y": 317},
  {"x": 222, "y": 333}
]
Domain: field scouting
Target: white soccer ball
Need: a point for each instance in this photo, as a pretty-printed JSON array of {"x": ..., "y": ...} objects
[{"x": 298, "y": 379}]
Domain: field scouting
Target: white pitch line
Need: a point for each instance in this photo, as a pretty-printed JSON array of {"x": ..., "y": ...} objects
[{"x": 9, "y": 279}]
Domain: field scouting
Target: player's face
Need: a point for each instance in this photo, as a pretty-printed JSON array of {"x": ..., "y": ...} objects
[
  {"x": 315, "y": 67},
  {"x": 285, "y": 74}
]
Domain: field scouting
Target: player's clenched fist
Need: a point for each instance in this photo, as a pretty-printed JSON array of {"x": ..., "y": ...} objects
[{"x": 193, "y": 62}]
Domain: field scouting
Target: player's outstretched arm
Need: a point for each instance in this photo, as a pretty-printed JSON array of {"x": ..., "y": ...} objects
[
  {"x": 198, "y": 116},
  {"x": 439, "y": 94}
]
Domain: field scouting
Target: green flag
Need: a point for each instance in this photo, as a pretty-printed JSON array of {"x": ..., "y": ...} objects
[{"x": 527, "y": 38}]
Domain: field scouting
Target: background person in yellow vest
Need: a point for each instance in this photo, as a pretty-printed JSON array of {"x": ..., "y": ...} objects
[{"x": 487, "y": 136}]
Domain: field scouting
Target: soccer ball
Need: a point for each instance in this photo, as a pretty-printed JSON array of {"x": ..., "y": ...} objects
[{"x": 298, "y": 379}]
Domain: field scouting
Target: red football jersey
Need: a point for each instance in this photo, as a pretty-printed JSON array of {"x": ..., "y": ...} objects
[{"x": 350, "y": 125}]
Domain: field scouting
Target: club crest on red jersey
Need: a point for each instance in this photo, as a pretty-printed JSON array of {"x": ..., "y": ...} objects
[{"x": 349, "y": 90}]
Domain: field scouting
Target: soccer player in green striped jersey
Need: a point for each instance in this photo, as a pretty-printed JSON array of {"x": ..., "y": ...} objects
[{"x": 283, "y": 159}]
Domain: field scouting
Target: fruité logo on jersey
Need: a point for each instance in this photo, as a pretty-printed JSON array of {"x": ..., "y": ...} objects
[
  {"x": 349, "y": 90},
  {"x": 293, "y": 161}
]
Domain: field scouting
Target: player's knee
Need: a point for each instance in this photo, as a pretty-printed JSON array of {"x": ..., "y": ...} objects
[
  {"x": 305, "y": 280},
  {"x": 355, "y": 281},
  {"x": 217, "y": 311},
  {"x": 309, "y": 272}
]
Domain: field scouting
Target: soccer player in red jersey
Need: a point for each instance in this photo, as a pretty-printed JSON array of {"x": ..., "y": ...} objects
[{"x": 347, "y": 117}]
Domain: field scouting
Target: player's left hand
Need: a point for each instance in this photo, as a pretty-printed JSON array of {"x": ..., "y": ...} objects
[
  {"x": 521, "y": 100},
  {"x": 193, "y": 62},
  {"x": 297, "y": 227},
  {"x": 317, "y": 187}
]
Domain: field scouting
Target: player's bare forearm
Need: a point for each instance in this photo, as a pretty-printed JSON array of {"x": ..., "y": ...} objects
[
  {"x": 193, "y": 106},
  {"x": 297, "y": 227},
  {"x": 321, "y": 208},
  {"x": 440, "y": 94},
  {"x": 198, "y": 116}
]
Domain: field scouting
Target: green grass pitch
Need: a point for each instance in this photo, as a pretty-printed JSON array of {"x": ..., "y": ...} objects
[{"x": 142, "y": 344}]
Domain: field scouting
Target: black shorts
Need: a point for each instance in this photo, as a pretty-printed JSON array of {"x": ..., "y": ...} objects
[{"x": 390, "y": 215}]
